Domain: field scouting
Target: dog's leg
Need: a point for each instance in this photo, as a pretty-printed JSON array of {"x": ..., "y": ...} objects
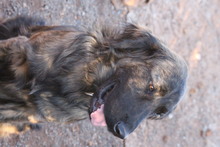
[
  {"x": 56, "y": 108},
  {"x": 16, "y": 104},
  {"x": 17, "y": 113}
]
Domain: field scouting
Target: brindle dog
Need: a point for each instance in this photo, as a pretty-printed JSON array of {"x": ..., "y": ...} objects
[{"x": 46, "y": 73}]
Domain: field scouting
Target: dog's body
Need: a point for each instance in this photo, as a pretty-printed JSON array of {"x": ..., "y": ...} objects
[{"x": 46, "y": 73}]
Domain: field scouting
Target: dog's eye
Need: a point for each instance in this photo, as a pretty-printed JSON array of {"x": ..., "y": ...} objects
[
  {"x": 150, "y": 91},
  {"x": 151, "y": 87}
]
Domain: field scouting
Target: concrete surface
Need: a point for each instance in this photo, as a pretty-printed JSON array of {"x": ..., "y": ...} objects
[{"x": 191, "y": 28}]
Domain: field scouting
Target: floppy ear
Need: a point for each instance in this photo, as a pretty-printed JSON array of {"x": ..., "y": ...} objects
[
  {"x": 135, "y": 37},
  {"x": 138, "y": 42},
  {"x": 132, "y": 31}
]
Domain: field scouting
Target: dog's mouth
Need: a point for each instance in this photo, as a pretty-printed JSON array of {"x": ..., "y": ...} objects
[{"x": 97, "y": 105}]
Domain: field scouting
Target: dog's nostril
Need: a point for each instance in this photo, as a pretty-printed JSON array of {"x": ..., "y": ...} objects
[{"x": 120, "y": 130}]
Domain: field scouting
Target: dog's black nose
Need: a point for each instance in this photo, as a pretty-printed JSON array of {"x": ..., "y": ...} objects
[{"x": 120, "y": 130}]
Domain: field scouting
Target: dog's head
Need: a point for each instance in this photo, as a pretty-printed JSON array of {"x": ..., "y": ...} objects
[{"x": 148, "y": 82}]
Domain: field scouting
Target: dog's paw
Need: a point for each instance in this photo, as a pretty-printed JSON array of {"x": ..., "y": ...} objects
[{"x": 7, "y": 129}]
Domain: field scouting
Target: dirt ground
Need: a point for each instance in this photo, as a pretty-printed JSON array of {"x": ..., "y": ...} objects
[{"x": 191, "y": 28}]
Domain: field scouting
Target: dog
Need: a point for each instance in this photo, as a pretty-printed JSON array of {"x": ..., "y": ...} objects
[{"x": 65, "y": 74}]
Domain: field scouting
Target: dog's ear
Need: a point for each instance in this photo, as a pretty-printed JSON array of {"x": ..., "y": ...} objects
[
  {"x": 132, "y": 31},
  {"x": 134, "y": 36},
  {"x": 138, "y": 41}
]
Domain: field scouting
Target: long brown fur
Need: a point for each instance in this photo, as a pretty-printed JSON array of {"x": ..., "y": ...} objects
[{"x": 47, "y": 71}]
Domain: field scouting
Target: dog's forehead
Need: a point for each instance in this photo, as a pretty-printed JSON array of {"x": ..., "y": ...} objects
[
  {"x": 137, "y": 83},
  {"x": 140, "y": 77},
  {"x": 164, "y": 70}
]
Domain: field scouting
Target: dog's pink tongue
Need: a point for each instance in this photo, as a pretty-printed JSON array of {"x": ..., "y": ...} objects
[{"x": 97, "y": 117}]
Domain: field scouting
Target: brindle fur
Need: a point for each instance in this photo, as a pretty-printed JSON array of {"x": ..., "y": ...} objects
[{"x": 46, "y": 71}]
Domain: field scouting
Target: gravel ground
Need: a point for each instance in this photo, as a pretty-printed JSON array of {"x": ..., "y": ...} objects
[{"x": 191, "y": 28}]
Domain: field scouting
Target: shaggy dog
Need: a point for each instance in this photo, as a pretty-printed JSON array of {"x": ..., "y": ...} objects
[{"x": 47, "y": 73}]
